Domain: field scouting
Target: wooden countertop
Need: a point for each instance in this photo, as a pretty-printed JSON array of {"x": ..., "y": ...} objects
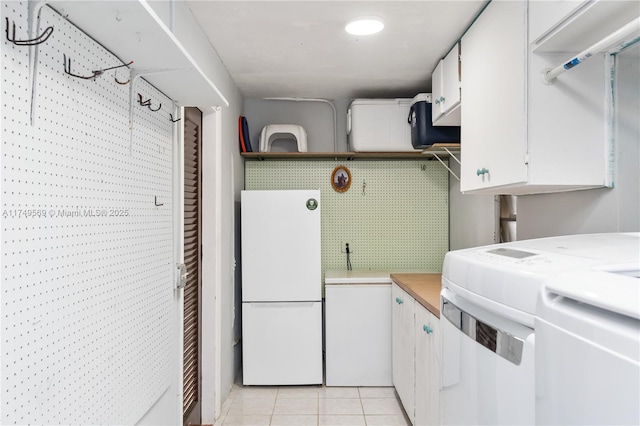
[{"x": 425, "y": 288}]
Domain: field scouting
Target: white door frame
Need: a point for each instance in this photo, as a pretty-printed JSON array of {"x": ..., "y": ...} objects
[
  {"x": 211, "y": 264},
  {"x": 178, "y": 215}
]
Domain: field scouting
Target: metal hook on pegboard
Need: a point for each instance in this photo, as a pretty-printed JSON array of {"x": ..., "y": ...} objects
[
  {"x": 147, "y": 103},
  {"x": 96, "y": 73},
  {"x": 122, "y": 83},
  {"x": 31, "y": 42}
]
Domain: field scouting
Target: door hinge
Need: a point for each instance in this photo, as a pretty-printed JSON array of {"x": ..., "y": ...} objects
[{"x": 182, "y": 276}]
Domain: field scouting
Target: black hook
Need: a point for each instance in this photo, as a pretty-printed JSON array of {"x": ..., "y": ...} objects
[
  {"x": 67, "y": 69},
  {"x": 155, "y": 201},
  {"x": 33, "y": 42},
  {"x": 147, "y": 103},
  {"x": 172, "y": 120},
  {"x": 97, "y": 73},
  {"x": 121, "y": 82},
  {"x": 143, "y": 103}
]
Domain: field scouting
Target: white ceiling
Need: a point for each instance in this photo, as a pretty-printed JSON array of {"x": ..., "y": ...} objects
[{"x": 299, "y": 48}]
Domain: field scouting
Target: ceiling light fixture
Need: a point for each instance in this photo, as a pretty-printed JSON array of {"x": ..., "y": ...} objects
[{"x": 364, "y": 26}]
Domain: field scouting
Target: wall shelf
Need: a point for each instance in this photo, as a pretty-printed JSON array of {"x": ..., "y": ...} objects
[
  {"x": 443, "y": 149},
  {"x": 436, "y": 150},
  {"x": 579, "y": 28},
  {"x": 132, "y": 31},
  {"x": 395, "y": 155}
]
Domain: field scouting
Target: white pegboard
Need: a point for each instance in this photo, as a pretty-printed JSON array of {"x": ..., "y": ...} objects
[
  {"x": 87, "y": 300},
  {"x": 395, "y": 215}
]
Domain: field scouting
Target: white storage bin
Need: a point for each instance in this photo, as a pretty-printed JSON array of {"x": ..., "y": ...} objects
[{"x": 379, "y": 125}]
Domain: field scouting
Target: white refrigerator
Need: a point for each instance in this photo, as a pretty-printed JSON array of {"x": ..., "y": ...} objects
[{"x": 281, "y": 288}]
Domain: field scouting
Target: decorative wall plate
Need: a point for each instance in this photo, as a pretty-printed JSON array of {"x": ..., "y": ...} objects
[{"x": 341, "y": 179}]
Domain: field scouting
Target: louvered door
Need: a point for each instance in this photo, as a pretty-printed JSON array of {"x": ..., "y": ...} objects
[{"x": 192, "y": 214}]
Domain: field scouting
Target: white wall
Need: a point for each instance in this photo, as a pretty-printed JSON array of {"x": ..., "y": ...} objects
[
  {"x": 223, "y": 178},
  {"x": 315, "y": 117},
  {"x": 599, "y": 210}
]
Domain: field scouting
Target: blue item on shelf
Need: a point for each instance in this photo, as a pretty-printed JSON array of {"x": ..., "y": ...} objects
[{"x": 423, "y": 132}]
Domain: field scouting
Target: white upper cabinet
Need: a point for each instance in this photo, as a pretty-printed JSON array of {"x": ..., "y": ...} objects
[
  {"x": 493, "y": 133},
  {"x": 521, "y": 134},
  {"x": 446, "y": 90}
]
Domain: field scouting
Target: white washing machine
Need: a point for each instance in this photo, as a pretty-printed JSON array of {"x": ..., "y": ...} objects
[
  {"x": 488, "y": 307},
  {"x": 588, "y": 345},
  {"x": 358, "y": 328}
]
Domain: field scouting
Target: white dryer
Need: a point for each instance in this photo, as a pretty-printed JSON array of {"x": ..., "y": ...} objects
[
  {"x": 588, "y": 344},
  {"x": 489, "y": 331}
]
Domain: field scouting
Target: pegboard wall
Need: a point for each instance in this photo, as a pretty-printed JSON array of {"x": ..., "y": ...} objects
[
  {"x": 395, "y": 215},
  {"x": 87, "y": 291}
]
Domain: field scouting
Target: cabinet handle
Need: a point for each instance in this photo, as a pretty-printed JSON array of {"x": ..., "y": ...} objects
[
  {"x": 437, "y": 101},
  {"x": 442, "y": 99},
  {"x": 398, "y": 301},
  {"x": 427, "y": 329},
  {"x": 482, "y": 171}
]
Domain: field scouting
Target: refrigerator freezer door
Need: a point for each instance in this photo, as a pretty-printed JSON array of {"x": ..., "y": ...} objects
[
  {"x": 281, "y": 246},
  {"x": 282, "y": 343}
]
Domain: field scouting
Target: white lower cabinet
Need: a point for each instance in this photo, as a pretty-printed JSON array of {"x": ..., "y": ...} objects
[
  {"x": 427, "y": 367},
  {"x": 416, "y": 358},
  {"x": 403, "y": 341}
]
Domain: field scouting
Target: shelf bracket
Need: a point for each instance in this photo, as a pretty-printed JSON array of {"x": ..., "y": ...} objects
[
  {"x": 452, "y": 155},
  {"x": 445, "y": 164},
  {"x": 433, "y": 150}
]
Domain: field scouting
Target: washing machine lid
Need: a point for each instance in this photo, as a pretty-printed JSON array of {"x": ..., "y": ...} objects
[
  {"x": 615, "y": 288},
  {"x": 356, "y": 277},
  {"x": 513, "y": 274}
]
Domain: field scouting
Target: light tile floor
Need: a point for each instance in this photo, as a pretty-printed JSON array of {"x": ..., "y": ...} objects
[{"x": 312, "y": 405}]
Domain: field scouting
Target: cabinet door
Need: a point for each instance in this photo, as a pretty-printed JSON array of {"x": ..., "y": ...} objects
[
  {"x": 427, "y": 371},
  {"x": 493, "y": 131},
  {"x": 358, "y": 335},
  {"x": 403, "y": 341},
  {"x": 436, "y": 91},
  {"x": 451, "y": 80}
]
